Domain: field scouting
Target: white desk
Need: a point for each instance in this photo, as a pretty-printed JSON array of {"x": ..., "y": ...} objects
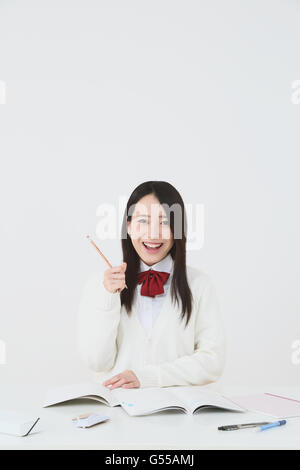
[{"x": 163, "y": 430}]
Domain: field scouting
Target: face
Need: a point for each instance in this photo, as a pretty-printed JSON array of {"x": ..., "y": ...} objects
[{"x": 149, "y": 230}]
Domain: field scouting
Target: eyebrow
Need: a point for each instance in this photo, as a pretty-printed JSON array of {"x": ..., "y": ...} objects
[{"x": 145, "y": 215}]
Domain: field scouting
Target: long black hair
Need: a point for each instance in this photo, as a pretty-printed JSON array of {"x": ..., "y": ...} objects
[{"x": 167, "y": 195}]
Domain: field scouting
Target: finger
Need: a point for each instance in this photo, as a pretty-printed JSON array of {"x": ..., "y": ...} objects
[
  {"x": 118, "y": 276},
  {"x": 130, "y": 385},
  {"x": 124, "y": 266},
  {"x": 112, "y": 379},
  {"x": 118, "y": 384},
  {"x": 118, "y": 285},
  {"x": 116, "y": 269}
]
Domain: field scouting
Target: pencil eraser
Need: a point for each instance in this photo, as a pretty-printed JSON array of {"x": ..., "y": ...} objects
[{"x": 91, "y": 420}]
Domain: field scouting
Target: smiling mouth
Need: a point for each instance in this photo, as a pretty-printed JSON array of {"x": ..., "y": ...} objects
[{"x": 152, "y": 247}]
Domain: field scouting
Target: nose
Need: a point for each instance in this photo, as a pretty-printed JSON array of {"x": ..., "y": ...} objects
[{"x": 155, "y": 231}]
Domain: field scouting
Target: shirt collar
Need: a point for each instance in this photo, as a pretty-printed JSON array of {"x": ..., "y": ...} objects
[{"x": 165, "y": 265}]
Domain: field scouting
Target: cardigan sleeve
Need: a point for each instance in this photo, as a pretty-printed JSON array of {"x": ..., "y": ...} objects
[
  {"x": 207, "y": 362},
  {"x": 97, "y": 326}
]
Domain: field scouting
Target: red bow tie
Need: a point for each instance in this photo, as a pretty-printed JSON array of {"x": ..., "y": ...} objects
[{"x": 153, "y": 282}]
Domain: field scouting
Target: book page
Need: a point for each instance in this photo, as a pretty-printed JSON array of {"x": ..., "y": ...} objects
[
  {"x": 143, "y": 401},
  {"x": 195, "y": 396},
  {"x": 70, "y": 392}
]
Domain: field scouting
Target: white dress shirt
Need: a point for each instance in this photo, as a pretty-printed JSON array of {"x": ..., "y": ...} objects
[{"x": 148, "y": 308}]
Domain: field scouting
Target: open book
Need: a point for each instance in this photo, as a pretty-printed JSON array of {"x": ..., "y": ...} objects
[{"x": 144, "y": 401}]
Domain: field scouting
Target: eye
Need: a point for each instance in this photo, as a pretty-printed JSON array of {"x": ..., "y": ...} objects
[
  {"x": 165, "y": 222},
  {"x": 142, "y": 220}
]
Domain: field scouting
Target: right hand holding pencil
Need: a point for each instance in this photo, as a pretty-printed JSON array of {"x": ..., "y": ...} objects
[{"x": 114, "y": 278}]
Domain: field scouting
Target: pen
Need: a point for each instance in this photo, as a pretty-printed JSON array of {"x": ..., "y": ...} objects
[
  {"x": 100, "y": 253},
  {"x": 273, "y": 425},
  {"x": 233, "y": 427}
]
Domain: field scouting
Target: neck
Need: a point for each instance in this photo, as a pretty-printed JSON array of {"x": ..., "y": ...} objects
[{"x": 151, "y": 264}]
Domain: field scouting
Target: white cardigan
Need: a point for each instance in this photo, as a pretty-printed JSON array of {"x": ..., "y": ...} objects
[{"x": 111, "y": 341}]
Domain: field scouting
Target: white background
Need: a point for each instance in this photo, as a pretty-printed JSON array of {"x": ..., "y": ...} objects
[{"x": 104, "y": 95}]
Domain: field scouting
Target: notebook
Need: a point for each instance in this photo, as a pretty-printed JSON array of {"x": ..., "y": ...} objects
[
  {"x": 144, "y": 401},
  {"x": 271, "y": 404},
  {"x": 18, "y": 423}
]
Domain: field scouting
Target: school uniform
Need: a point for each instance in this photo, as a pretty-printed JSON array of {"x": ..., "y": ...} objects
[{"x": 152, "y": 340}]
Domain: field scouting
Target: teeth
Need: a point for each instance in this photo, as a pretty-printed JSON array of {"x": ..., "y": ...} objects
[{"x": 152, "y": 246}]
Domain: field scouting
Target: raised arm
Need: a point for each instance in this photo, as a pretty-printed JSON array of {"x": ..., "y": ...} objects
[{"x": 98, "y": 320}]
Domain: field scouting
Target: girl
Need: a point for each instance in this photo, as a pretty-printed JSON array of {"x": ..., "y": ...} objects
[{"x": 165, "y": 328}]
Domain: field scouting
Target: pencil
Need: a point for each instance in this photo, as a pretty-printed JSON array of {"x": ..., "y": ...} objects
[{"x": 100, "y": 253}]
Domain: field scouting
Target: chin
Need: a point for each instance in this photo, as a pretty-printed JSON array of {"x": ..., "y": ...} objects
[{"x": 153, "y": 258}]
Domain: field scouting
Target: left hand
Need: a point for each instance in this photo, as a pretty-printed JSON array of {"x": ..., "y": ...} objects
[{"x": 126, "y": 379}]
